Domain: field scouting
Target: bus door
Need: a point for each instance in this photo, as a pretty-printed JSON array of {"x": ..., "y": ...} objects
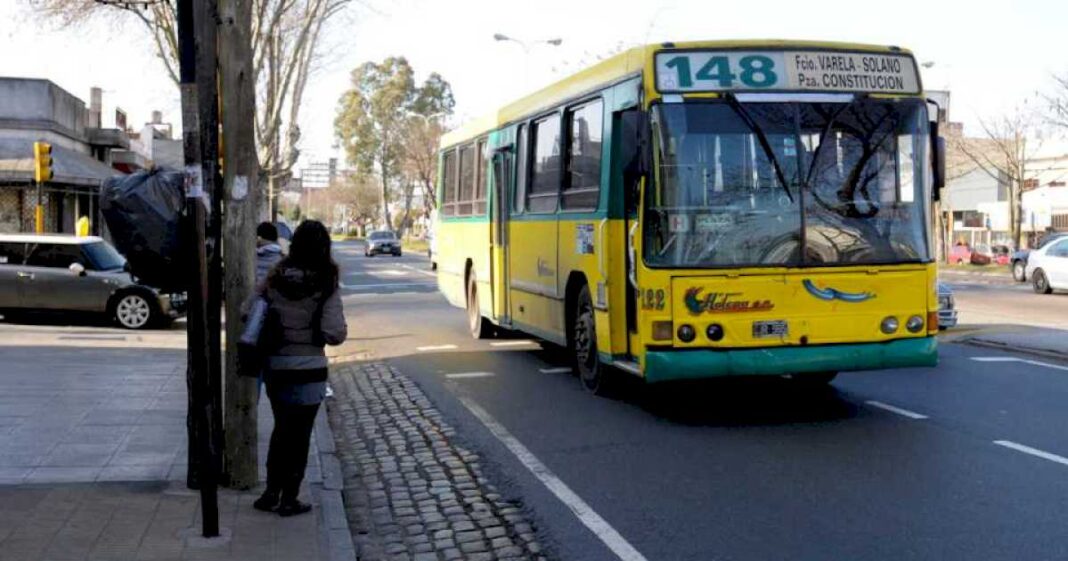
[{"x": 503, "y": 182}]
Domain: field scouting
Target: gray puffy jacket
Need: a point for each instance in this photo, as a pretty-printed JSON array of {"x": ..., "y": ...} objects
[{"x": 294, "y": 300}]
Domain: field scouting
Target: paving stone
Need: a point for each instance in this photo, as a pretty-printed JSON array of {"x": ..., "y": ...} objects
[{"x": 410, "y": 490}]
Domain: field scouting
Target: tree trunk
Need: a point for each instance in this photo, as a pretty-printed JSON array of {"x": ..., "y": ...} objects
[
  {"x": 242, "y": 209},
  {"x": 385, "y": 196}
]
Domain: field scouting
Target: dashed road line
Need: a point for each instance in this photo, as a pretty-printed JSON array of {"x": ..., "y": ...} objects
[
  {"x": 420, "y": 271},
  {"x": 1032, "y": 451},
  {"x": 466, "y": 375},
  {"x": 385, "y": 285},
  {"x": 1023, "y": 360},
  {"x": 435, "y": 348},
  {"x": 557, "y": 370},
  {"x": 511, "y": 343},
  {"x": 898, "y": 410},
  {"x": 589, "y": 518}
]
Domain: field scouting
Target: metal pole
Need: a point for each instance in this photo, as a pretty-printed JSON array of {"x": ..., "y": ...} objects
[{"x": 193, "y": 16}]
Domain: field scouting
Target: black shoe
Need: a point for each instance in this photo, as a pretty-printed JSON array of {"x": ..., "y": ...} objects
[
  {"x": 293, "y": 507},
  {"x": 267, "y": 502}
]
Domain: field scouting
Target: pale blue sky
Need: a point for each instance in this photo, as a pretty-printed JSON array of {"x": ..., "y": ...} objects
[{"x": 991, "y": 55}]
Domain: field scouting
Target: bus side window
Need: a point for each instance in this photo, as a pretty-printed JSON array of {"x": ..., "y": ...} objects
[
  {"x": 480, "y": 184},
  {"x": 519, "y": 197},
  {"x": 545, "y": 177},
  {"x": 448, "y": 197},
  {"x": 467, "y": 180},
  {"x": 582, "y": 189}
]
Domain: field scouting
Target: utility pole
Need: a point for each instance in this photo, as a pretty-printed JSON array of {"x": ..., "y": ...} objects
[
  {"x": 196, "y": 46},
  {"x": 241, "y": 183}
]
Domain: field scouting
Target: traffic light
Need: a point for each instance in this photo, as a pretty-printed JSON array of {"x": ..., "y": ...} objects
[{"x": 42, "y": 162}]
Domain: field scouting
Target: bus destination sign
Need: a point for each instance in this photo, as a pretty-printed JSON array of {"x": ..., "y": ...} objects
[{"x": 824, "y": 71}]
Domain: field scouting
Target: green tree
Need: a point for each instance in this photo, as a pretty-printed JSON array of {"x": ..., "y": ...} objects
[{"x": 373, "y": 122}]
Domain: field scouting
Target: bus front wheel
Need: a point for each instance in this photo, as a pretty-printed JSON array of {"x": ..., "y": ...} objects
[
  {"x": 587, "y": 364},
  {"x": 481, "y": 328}
]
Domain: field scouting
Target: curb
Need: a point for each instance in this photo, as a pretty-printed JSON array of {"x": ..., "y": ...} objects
[
  {"x": 1047, "y": 353},
  {"x": 335, "y": 537}
]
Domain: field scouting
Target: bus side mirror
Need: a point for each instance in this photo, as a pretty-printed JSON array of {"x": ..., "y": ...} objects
[
  {"x": 634, "y": 151},
  {"x": 938, "y": 161}
]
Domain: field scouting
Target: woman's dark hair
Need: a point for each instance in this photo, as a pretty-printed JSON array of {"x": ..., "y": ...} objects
[{"x": 309, "y": 250}]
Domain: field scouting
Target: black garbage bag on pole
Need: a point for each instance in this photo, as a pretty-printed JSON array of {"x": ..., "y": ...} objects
[{"x": 143, "y": 212}]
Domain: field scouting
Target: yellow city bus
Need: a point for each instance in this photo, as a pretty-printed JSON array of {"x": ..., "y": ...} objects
[{"x": 693, "y": 210}]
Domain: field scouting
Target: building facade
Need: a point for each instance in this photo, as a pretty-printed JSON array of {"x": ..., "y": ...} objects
[{"x": 84, "y": 154}]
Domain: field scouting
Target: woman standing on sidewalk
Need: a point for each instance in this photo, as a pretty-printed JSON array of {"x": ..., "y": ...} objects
[{"x": 306, "y": 314}]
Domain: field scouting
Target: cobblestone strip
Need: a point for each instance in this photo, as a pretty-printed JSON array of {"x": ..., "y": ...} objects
[{"x": 410, "y": 492}]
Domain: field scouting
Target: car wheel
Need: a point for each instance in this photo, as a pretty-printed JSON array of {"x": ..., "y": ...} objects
[
  {"x": 1040, "y": 282},
  {"x": 481, "y": 328},
  {"x": 1019, "y": 271},
  {"x": 133, "y": 310},
  {"x": 583, "y": 342}
]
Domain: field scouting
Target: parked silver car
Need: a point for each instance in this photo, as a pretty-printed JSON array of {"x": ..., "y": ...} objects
[
  {"x": 78, "y": 274},
  {"x": 947, "y": 309}
]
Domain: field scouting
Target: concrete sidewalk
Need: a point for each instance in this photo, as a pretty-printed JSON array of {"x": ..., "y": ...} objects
[
  {"x": 92, "y": 466},
  {"x": 1042, "y": 341}
]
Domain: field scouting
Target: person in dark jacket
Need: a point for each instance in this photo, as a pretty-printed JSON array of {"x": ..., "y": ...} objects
[
  {"x": 268, "y": 252},
  {"x": 305, "y": 307}
]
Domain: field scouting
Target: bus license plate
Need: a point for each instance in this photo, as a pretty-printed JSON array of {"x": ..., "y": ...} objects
[{"x": 777, "y": 328}]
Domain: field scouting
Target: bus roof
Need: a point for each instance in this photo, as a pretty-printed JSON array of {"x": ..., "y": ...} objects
[{"x": 620, "y": 66}]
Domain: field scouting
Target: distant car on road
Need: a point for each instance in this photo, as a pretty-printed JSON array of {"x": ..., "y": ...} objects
[
  {"x": 78, "y": 274},
  {"x": 1047, "y": 267},
  {"x": 947, "y": 311},
  {"x": 982, "y": 255},
  {"x": 382, "y": 241},
  {"x": 1018, "y": 261},
  {"x": 960, "y": 254}
]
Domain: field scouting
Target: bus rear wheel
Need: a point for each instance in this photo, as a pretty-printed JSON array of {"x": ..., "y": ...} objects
[
  {"x": 480, "y": 327},
  {"x": 587, "y": 363}
]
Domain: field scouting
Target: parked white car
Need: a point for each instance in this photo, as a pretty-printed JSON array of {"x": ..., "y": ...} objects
[{"x": 1048, "y": 267}]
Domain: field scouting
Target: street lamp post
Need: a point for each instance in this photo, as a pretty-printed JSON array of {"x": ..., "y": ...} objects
[{"x": 555, "y": 42}]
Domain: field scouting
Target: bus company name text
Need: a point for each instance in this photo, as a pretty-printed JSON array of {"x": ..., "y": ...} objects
[{"x": 722, "y": 302}]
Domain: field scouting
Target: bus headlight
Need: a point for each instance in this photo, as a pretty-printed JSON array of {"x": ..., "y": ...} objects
[
  {"x": 914, "y": 324},
  {"x": 714, "y": 332},
  {"x": 889, "y": 325},
  {"x": 686, "y": 333}
]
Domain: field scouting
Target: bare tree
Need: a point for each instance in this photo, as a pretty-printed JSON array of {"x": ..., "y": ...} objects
[
  {"x": 1058, "y": 101},
  {"x": 285, "y": 36},
  {"x": 422, "y": 137},
  {"x": 1003, "y": 153}
]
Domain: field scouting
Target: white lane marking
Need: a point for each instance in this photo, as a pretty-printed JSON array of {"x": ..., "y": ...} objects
[
  {"x": 435, "y": 348},
  {"x": 510, "y": 343},
  {"x": 599, "y": 526},
  {"x": 421, "y": 271},
  {"x": 464, "y": 375},
  {"x": 1023, "y": 360},
  {"x": 898, "y": 410},
  {"x": 1032, "y": 451},
  {"x": 385, "y": 285},
  {"x": 559, "y": 370}
]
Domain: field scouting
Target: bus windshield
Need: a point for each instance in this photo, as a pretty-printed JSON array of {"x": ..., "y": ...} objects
[{"x": 751, "y": 184}]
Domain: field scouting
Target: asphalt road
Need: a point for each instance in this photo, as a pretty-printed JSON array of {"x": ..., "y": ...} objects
[
  {"x": 1000, "y": 301},
  {"x": 962, "y": 461}
]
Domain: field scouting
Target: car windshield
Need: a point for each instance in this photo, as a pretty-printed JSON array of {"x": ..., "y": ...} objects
[
  {"x": 103, "y": 256},
  {"x": 750, "y": 184},
  {"x": 378, "y": 236}
]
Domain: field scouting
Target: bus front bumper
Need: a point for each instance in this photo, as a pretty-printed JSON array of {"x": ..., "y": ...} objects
[{"x": 692, "y": 364}]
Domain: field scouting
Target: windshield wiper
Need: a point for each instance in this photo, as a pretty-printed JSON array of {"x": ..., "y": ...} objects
[{"x": 762, "y": 138}]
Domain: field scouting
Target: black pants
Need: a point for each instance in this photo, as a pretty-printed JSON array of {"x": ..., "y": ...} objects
[{"x": 288, "y": 455}]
